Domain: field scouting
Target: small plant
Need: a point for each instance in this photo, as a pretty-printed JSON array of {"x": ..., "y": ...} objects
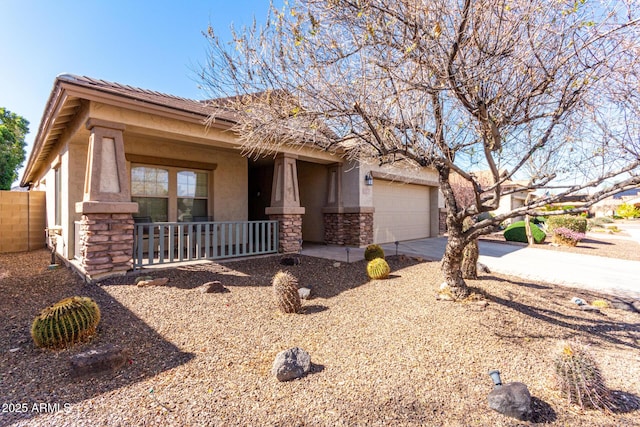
[
  {"x": 378, "y": 269},
  {"x": 580, "y": 380},
  {"x": 66, "y": 322},
  {"x": 372, "y": 252},
  {"x": 285, "y": 290},
  {"x": 516, "y": 232},
  {"x": 567, "y": 237},
  {"x": 600, "y": 303}
]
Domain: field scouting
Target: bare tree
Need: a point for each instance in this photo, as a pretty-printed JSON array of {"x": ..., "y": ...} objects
[{"x": 545, "y": 90}]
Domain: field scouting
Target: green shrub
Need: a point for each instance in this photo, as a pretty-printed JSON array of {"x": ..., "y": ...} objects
[
  {"x": 517, "y": 232},
  {"x": 575, "y": 223},
  {"x": 626, "y": 210},
  {"x": 372, "y": 252}
]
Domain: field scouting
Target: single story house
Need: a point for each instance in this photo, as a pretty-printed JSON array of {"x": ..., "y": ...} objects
[{"x": 134, "y": 177}]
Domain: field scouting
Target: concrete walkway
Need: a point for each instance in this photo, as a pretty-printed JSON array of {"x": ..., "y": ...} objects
[{"x": 614, "y": 276}]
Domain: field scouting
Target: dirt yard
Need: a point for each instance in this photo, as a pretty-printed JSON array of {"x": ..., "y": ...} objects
[{"x": 384, "y": 353}]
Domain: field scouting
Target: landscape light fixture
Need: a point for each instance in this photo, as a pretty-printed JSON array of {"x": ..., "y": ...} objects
[{"x": 495, "y": 376}]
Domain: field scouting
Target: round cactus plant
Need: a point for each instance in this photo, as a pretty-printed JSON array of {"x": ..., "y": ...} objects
[
  {"x": 372, "y": 252},
  {"x": 378, "y": 269},
  {"x": 66, "y": 322},
  {"x": 285, "y": 290},
  {"x": 580, "y": 379}
]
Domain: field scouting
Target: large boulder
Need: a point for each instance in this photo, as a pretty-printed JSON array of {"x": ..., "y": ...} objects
[
  {"x": 106, "y": 358},
  {"x": 214, "y": 287},
  {"x": 512, "y": 400},
  {"x": 291, "y": 364}
]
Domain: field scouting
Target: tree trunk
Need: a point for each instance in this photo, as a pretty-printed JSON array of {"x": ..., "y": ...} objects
[
  {"x": 470, "y": 254},
  {"x": 452, "y": 268},
  {"x": 527, "y": 229},
  {"x": 470, "y": 260}
]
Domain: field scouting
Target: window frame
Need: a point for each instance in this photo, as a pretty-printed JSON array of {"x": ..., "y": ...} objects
[{"x": 172, "y": 196}]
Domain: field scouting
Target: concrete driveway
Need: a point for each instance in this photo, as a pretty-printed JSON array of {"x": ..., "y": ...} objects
[{"x": 614, "y": 276}]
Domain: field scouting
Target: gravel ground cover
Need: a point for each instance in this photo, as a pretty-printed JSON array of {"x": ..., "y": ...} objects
[{"x": 384, "y": 353}]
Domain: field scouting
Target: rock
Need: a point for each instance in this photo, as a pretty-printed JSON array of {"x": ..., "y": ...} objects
[
  {"x": 290, "y": 261},
  {"x": 512, "y": 400},
  {"x": 578, "y": 301},
  {"x": 444, "y": 296},
  {"x": 305, "y": 293},
  {"x": 106, "y": 358},
  {"x": 141, "y": 278},
  {"x": 481, "y": 303},
  {"x": 161, "y": 281},
  {"x": 291, "y": 364},
  {"x": 214, "y": 287},
  {"x": 336, "y": 264},
  {"x": 483, "y": 268}
]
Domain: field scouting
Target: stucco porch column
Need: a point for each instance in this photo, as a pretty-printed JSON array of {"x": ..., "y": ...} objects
[
  {"x": 285, "y": 203},
  {"x": 106, "y": 227}
]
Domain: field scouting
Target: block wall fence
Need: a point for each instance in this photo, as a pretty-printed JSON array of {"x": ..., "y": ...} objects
[{"x": 22, "y": 221}]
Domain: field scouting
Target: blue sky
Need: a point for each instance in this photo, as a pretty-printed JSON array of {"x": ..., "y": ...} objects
[{"x": 155, "y": 45}]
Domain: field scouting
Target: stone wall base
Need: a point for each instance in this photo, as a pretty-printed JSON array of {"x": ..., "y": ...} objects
[
  {"x": 106, "y": 244},
  {"x": 289, "y": 231},
  {"x": 350, "y": 229}
]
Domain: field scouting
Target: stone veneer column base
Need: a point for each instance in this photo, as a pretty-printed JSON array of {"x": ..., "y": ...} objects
[
  {"x": 350, "y": 229},
  {"x": 106, "y": 244},
  {"x": 289, "y": 231}
]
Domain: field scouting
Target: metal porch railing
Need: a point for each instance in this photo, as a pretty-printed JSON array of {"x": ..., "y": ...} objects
[{"x": 170, "y": 242}]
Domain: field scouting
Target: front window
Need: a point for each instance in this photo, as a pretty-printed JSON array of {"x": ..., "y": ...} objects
[
  {"x": 150, "y": 189},
  {"x": 170, "y": 194},
  {"x": 192, "y": 195}
]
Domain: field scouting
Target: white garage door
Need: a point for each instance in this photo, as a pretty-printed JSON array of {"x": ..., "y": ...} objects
[{"x": 401, "y": 211}]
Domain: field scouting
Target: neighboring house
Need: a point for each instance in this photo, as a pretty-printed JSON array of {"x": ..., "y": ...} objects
[
  {"x": 124, "y": 167},
  {"x": 516, "y": 197},
  {"x": 609, "y": 206}
]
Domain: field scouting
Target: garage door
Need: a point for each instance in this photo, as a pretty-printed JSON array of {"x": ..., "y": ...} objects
[{"x": 401, "y": 211}]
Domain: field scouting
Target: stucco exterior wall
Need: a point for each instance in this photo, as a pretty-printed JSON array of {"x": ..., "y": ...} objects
[
  {"x": 227, "y": 183},
  {"x": 312, "y": 181}
]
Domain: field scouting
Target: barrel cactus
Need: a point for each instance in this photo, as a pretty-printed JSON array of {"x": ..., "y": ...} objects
[
  {"x": 285, "y": 290},
  {"x": 378, "y": 269},
  {"x": 372, "y": 252},
  {"x": 66, "y": 322},
  {"x": 580, "y": 380}
]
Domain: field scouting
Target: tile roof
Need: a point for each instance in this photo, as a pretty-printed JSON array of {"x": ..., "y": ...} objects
[{"x": 144, "y": 95}]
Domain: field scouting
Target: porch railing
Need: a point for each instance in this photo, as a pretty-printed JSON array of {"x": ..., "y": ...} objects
[{"x": 170, "y": 242}]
